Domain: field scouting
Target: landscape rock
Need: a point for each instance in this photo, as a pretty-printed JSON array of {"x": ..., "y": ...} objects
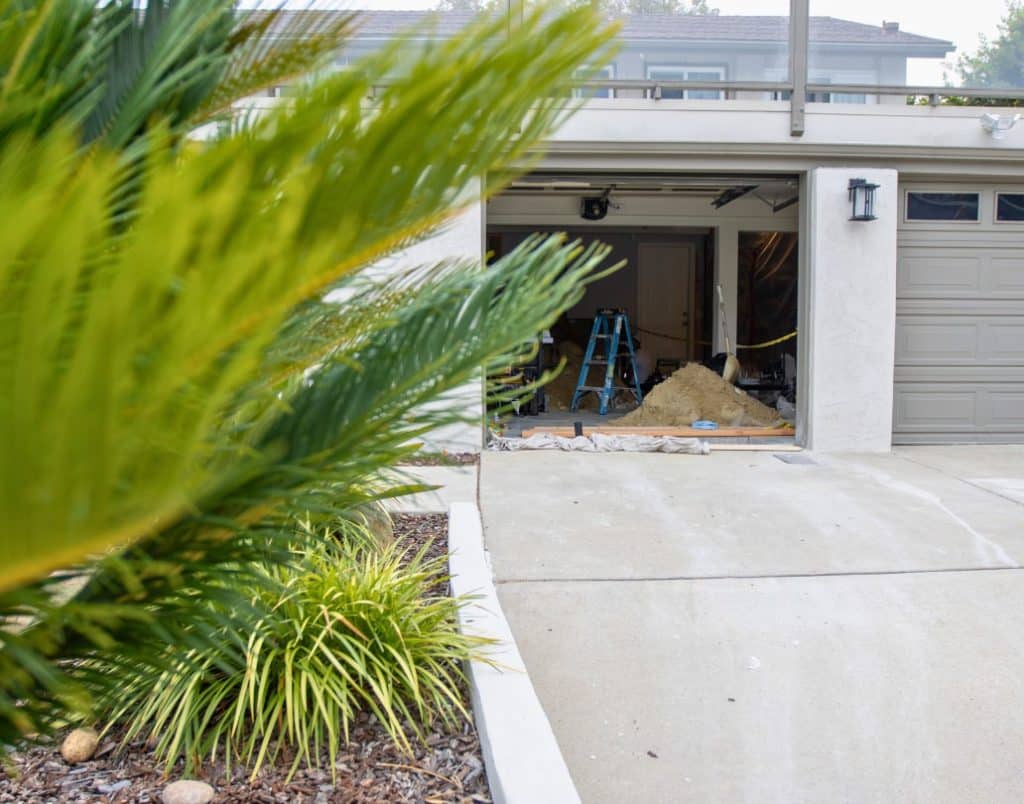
[
  {"x": 79, "y": 746},
  {"x": 187, "y": 791},
  {"x": 376, "y": 519}
]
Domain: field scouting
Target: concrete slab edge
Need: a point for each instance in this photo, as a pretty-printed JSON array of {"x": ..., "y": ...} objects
[{"x": 523, "y": 761}]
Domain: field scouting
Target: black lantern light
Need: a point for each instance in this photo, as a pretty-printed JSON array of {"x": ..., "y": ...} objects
[{"x": 862, "y": 198}]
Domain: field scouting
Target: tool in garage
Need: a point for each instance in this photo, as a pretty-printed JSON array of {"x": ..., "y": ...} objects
[
  {"x": 611, "y": 327},
  {"x": 731, "y": 369}
]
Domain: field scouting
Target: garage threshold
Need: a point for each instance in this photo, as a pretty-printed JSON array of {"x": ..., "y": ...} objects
[{"x": 562, "y": 424}]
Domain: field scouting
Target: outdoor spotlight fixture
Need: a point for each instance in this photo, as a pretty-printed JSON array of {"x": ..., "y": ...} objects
[
  {"x": 862, "y": 199},
  {"x": 595, "y": 208},
  {"x": 998, "y": 124}
]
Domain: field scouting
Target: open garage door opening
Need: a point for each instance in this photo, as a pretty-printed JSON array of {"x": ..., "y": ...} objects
[{"x": 708, "y": 293}]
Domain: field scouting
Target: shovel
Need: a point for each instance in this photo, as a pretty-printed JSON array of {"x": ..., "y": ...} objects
[{"x": 731, "y": 368}]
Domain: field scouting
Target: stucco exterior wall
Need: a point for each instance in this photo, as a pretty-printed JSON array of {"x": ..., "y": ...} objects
[
  {"x": 463, "y": 237},
  {"x": 848, "y": 328},
  {"x": 717, "y": 132}
]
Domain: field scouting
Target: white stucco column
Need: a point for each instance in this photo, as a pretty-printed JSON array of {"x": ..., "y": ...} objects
[
  {"x": 848, "y": 322},
  {"x": 727, "y": 260}
]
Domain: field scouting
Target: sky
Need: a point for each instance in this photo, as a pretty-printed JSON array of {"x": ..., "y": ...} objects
[{"x": 957, "y": 21}]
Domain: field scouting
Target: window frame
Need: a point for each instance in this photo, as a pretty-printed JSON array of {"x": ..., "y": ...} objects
[
  {"x": 685, "y": 69},
  {"x": 944, "y": 221},
  {"x": 995, "y": 207},
  {"x": 580, "y": 93},
  {"x": 820, "y": 76}
]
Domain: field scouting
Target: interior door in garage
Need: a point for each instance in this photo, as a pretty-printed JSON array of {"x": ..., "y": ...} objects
[
  {"x": 665, "y": 298},
  {"x": 959, "y": 319}
]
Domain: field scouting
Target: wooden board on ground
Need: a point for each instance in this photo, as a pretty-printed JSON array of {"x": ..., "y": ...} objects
[
  {"x": 679, "y": 432},
  {"x": 755, "y": 448}
]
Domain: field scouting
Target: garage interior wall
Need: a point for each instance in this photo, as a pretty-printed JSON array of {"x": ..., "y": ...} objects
[
  {"x": 650, "y": 277},
  {"x": 657, "y": 213}
]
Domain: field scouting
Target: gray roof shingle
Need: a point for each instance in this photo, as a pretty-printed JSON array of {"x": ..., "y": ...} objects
[{"x": 721, "y": 28}]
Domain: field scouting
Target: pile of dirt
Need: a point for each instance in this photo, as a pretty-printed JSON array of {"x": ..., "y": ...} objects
[
  {"x": 560, "y": 390},
  {"x": 695, "y": 392}
]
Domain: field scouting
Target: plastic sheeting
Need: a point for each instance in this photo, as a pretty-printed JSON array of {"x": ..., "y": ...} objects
[{"x": 602, "y": 443}]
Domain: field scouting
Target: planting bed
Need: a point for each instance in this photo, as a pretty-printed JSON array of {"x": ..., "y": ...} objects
[
  {"x": 449, "y": 768},
  {"x": 442, "y": 459}
]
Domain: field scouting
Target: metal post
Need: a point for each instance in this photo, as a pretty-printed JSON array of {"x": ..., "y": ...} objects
[
  {"x": 514, "y": 14},
  {"x": 799, "y": 29}
]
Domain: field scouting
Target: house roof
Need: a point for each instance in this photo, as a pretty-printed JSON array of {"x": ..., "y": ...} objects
[
  {"x": 767, "y": 29},
  {"x": 679, "y": 27}
]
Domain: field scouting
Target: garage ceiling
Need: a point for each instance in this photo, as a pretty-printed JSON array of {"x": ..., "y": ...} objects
[
  {"x": 710, "y": 185},
  {"x": 776, "y": 191}
]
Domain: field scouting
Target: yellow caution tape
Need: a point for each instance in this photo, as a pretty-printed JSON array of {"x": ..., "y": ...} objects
[{"x": 766, "y": 344}]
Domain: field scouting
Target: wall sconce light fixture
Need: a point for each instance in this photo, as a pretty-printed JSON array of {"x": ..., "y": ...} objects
[{"x": 862, "y": 199}]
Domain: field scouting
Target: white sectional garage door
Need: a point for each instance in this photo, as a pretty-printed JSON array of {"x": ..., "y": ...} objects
[{"x": 959, "y": 321}]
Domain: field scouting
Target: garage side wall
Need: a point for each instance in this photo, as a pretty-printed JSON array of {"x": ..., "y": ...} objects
[{"x": 849, "y": 329}]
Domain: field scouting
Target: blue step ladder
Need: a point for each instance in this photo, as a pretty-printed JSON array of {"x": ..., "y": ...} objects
[{"x": 612, "y": 327}]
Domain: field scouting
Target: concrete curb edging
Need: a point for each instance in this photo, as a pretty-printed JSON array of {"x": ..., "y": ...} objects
[{"x": 524, "y": 763}]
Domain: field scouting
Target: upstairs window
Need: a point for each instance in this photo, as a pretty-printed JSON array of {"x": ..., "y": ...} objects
[
  {"x": 943, "y": 206},
  {"x": 680, "y": 73},
  {"x": 606, "y": 73},
  {"x": 846, "y": 97},
  {"x": 834, "y": 97}
]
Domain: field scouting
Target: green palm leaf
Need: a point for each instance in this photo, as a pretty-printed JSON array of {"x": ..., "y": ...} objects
[
  {"x": 180, "y": 394},
  {"x": 124, "y": 355}
]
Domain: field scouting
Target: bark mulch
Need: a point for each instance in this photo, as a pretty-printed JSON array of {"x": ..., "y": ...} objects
[
  {"x": 442, "y": 459},
  {"x": 369, "y": 770},
  {"x": 413, "y": 531}
]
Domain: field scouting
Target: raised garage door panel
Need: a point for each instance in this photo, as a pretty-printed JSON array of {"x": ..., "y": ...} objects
[
  {"x": 960, "y": 335},
  {"x": 955, "y": 339}
]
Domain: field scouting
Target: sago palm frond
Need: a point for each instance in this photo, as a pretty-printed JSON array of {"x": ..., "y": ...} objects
[
  {"x": 161, "y": 64},
  {"x": 49, "y": 56},
  {"x": 352, "y": 415},
  {"x": 125, "y": 354},
  {"x": 116, "y": 70},
  {"x": 271, "y": 48}
]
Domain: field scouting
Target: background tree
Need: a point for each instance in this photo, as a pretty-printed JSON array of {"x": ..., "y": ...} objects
[
  {"x": 689, "y": 7},
  {"x": 998, "y": 62}
]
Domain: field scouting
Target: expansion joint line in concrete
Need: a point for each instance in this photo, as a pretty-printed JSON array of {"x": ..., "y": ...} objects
[
  {"x": 780, "y": 575},
  {"x": 963, "y": 480}
]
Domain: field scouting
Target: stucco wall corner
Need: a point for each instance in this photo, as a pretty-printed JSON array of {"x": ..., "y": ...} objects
[{"x": 851, "y": 312}]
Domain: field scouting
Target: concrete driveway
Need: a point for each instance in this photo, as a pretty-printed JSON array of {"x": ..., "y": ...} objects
[{"x": 733, "y": 628}]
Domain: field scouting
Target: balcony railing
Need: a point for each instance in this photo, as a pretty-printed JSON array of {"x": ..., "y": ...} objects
[{"x": 790, "y": 56}]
